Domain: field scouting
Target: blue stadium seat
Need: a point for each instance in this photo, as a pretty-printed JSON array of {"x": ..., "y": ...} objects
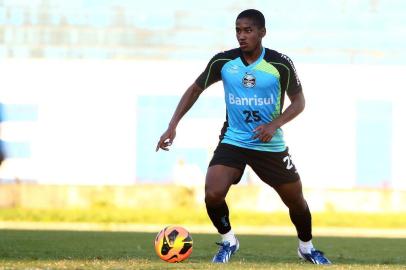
[{"x": 326, "y": 30}]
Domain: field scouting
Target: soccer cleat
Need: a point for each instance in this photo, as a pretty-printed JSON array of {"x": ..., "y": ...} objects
[
  {"x": 225, "y": 251},
  {"x": 315, "y": 256}
]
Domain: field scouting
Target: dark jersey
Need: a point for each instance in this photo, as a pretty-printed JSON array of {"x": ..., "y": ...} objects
[{"x": 254, "y": 94}]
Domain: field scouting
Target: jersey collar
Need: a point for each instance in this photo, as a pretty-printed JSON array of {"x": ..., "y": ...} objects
[{"x": 255, "y": 62}]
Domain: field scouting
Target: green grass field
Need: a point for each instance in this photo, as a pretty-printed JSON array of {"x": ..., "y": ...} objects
[{"x": 131, "y": 250}]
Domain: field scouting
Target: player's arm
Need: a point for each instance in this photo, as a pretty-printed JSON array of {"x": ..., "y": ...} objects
[
  {"x": 185, "y": 103},
  {"x": 297, "y": 105},
  {"x": 210, "y": 75}
]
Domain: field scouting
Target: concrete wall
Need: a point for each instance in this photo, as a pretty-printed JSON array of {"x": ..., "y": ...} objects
[{"x": 98, "y": 122}]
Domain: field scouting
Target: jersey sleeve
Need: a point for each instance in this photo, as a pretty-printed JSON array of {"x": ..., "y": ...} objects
[
  {"x": 212, "y": 73},
  {"x": 294, "y": 85}
]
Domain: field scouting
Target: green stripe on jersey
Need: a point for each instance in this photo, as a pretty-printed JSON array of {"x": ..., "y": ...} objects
[
  {"x": 270, "y": 69},
  {"x": 267, "y": 68}
]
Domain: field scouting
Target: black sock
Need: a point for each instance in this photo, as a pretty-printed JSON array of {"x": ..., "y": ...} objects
[
  {"x": 219, "y": 216},
  {"x": 303, "y": 224}
]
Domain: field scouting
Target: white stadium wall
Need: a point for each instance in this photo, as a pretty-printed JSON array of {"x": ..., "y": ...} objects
[{"x": 98, "y": 121}]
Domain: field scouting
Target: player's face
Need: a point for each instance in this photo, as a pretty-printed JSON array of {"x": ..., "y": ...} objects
[{"x": 249, "y": 36}]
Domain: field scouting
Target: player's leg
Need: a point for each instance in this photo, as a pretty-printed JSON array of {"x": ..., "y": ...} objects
[
  {"x": 219, "y": 179},
  {"x": 292, "y": 195},
  {"x": 278, "y": 170},
  {"x": 225, "y": 169}
]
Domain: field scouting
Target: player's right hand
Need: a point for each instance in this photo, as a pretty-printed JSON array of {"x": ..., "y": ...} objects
[{"x": 166, "y": 140}]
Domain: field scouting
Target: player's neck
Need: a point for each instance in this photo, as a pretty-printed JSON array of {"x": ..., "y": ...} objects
[{"x": 251, "y": 57}]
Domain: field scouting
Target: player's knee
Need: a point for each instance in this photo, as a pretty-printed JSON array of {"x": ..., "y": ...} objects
[
  {"x": 297, "y": 205},
  {"x": 213, "y": 198}
]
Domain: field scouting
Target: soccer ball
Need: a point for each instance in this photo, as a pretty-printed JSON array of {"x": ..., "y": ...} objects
[{"x": 173, "y": 244}]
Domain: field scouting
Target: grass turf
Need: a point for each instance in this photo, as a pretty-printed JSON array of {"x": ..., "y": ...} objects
[{"x": 131, "y": 250}]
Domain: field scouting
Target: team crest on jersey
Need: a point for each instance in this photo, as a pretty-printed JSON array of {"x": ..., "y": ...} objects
[{"x": 248, "y": 80}]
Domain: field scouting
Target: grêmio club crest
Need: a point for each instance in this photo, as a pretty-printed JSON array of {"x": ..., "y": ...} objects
[{"x": 248, "y": 80}]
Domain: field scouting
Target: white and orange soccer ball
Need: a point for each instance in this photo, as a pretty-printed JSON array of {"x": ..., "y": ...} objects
[{"x": 173, "y": 244}]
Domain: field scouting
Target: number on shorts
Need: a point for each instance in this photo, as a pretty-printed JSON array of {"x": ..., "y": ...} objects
[{"x": 289, "y": 164}]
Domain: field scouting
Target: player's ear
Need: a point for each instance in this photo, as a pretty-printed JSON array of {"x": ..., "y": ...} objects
[{"x": 263, "y": 32}]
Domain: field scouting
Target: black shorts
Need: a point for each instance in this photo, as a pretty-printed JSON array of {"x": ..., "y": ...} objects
[{"x": 273, "y": 168}]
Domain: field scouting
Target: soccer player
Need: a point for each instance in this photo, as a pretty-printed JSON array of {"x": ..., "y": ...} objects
[{"x": 255, "y": 81}]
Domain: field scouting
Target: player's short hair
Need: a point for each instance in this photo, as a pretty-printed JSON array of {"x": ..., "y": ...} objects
[{"x": 255, "y": 15}]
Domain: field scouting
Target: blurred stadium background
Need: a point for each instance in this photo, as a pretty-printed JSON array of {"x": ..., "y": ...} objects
[{"x": 88, "y": 86}]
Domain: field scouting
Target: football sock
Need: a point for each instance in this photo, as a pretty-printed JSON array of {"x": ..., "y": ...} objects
[
  {"x": 303, "y": 224},
  {"x": 306, "y": 247},
  {"x": 219, "y": 217},
  {"x": 229, "y": 237}
]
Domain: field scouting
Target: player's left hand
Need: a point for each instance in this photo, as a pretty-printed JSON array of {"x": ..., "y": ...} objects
[{"x": 264, "y": 132}]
